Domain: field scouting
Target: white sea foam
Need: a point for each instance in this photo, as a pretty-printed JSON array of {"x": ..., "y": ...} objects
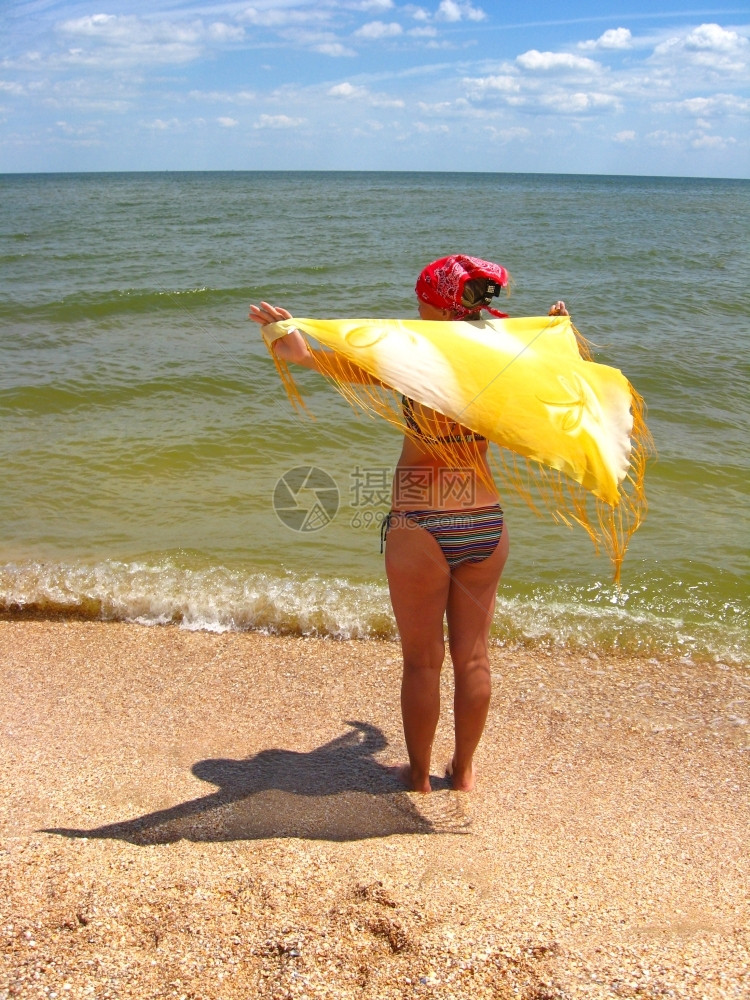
[{"x": 217, "y": 599}]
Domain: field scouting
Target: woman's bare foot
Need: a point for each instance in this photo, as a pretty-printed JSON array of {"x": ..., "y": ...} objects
[
  {"x": 462, "y": 780},
  {"x": 404, "y": 774}
]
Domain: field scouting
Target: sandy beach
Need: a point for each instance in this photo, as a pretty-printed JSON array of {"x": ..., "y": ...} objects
[{"x": 203, "y": 816}]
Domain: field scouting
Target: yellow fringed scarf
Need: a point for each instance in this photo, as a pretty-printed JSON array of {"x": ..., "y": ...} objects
[{"x": 571, "y": 432}]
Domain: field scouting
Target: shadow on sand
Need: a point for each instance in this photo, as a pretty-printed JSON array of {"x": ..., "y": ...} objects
[{"x": 337, "y": 792}]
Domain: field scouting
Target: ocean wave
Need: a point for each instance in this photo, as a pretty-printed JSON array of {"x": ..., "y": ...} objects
[
  {"x": 122, "y": 301},
  {"x": 214, "y": 599},
  {"x": 106, "y": 392},
  {"x": 599, "y": 619}
]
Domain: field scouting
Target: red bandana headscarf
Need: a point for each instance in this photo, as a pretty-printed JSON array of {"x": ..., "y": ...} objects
[{"x": 441, "y": 284}]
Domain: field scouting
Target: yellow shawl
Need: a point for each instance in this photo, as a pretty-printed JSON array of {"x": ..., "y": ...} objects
[{"x": 571, "y": 432}]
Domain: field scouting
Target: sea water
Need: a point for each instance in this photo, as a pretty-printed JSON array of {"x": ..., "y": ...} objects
[{"x": 147, "y": 443}]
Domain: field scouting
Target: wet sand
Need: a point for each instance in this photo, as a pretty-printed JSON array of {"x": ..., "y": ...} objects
[{"x": 188, "y": 815}]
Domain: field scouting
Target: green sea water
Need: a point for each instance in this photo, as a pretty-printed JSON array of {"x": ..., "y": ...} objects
[{"x": 145, "y": 431}]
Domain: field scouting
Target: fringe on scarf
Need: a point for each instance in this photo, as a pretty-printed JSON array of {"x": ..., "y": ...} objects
[{"x": 544, "y": 490}]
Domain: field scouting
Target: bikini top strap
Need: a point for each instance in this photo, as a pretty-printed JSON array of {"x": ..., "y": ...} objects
[{"x": 407, "y": 406}]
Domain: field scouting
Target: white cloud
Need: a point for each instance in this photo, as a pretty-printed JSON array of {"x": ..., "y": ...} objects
[
  {"x": 379, "y": 101},
  {"x": 347, "y": 91},
  {"x": 718, "y": 104},
  {"x": 374, "y": 6},
  {"x": 708, "y": 46},
  {"x": 78, "y": 131},
  {"x": 222, "y": 96},
  {"x": 536, "y": 93},
  {"x": 278, "y": 122},
  {"x": 545, "y": 62},
  {"x": 95, "y": 24},
  {"x": 228, "y": 122},
  {"x": 378, "y": 29},
  {"x": 456, "y": 10},
  {"x": 627, "y": 135},
  {"x": 580, "y": 102},
  {"x": 508, "y": 134},
  {"x": 220, "y": 32},
  {"x": 614, "y": 38},
  {"x": 504, "y": 83},
  {"x": 285, "y": 17},
  {"x": 86, "y": 94},
  {"x": 323, "y": 42},
  {"x": 696, "y": 105},
  {"x": 159, "y": 125},
  {"x": 715, "y": 38},
  {"x": 334, "y": 49},
  {"x": 439, "y": 108},
  {"x": 424, "y": 128},
  {"x": 7, "y": 87},
  {"x": 663, "y": 137},
  {"x": 710, "y": 142},
  {"x": 109, "y": 40},
  {"x": 695, "y": 139}
]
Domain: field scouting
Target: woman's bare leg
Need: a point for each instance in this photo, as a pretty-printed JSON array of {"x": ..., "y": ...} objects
[
  {"x": 419, "y": 582},
  {"x": 471, "y": 603}
]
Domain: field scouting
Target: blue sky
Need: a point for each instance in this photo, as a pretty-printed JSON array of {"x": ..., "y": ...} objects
[{"x": 375, "y": 85}]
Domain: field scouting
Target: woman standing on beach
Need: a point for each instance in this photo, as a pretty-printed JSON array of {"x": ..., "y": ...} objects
[{"x": 446, "y": 539}]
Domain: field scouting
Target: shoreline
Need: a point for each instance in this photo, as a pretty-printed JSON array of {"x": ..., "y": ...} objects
[
  {"x": 575, "y": 644},
  {"x": 225, "y": 823}
]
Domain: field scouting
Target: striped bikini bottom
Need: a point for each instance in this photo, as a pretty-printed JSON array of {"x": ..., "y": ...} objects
[{"x": 463, "y": 536}]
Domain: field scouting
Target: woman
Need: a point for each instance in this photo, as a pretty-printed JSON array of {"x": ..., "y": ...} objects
[{"x": 446, "y": 539}]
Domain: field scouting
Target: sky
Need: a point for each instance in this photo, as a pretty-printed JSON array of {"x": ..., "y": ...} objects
[{"x": 588, "y": 86}]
